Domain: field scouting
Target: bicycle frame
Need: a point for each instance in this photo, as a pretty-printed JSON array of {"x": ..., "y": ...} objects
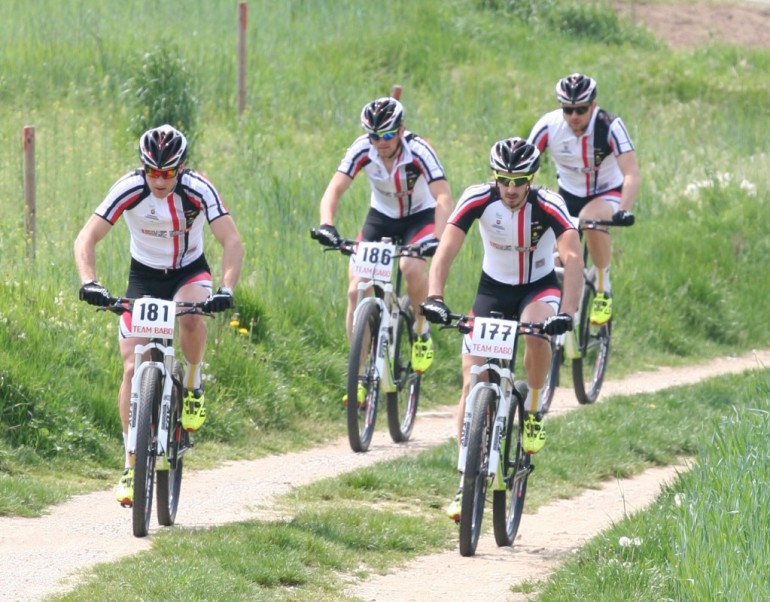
[
  {"x": 385, "y": 296},
  {"x": 502, "y": 384}
]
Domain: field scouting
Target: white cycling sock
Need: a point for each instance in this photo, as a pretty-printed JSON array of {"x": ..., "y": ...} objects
[
  {"x": 533, "y": 402},
  {"x": 192, "y": 377},
  {"x": 603, "y": 280}
]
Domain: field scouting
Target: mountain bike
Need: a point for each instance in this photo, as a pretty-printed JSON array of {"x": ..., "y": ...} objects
[
  {"x": 380, "y": 359},
  {"x": 156, "y": 438},
  {"x": 491, "y": 455},
  {"x": 588, "y": 346}
]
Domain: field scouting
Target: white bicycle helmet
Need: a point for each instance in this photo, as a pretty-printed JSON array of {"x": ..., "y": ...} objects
[
  {"x": 514, "y": 155},
  {"x": 162, "y": 147},
  {"x": 575, "y": 89},
  {"x": 382, "y": 115}
]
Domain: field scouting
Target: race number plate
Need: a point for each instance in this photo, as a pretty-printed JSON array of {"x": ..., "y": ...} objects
[
  {"x": 374, "y": 260},
  {"x": 493, "y": 337},
  {"x": 153, "y": 318}
]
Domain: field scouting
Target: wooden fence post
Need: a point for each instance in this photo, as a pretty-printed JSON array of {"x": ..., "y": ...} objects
[
  {"x": 242, "y": 10},
  {"x": 29, "y": 189}
]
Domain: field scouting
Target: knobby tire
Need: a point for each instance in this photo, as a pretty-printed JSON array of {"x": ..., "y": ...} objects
[
  {"x": 594, "y": 344},
  {"x": 508, "y": 503},
  {"x": 475, "y": 477},
  {"x": 402, "y": 403},
  {"x": 362, "y": 370},
  {"x": 169, "y": 482},
  {"x": 146, "y": 436}
]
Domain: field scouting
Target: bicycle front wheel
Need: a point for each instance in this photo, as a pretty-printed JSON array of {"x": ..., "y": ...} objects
[
  {"x": 475, "y": 477},
  {"x": 146, "y": 440},
  {"x": 594, "y": 344},
  {"x": 546, "y": 395},
  {"x": 169, "y": 478},
  {"x": 402, "y": 403},
  {"x": 363, "y": 380},
  {"x": 508, "y": 503}
]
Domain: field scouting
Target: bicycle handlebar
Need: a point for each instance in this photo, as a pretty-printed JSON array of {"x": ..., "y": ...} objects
[
  {"x": 348, "y": 246},
  {"x": 121, "y": 305},
  {"x": 592, "y": 224},
  {"x": 464, "y": 324}
]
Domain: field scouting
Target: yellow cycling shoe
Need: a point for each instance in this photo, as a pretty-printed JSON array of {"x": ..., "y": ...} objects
[
  {"x": 124, "y": 490},
  {"x": 360, "y": 395},
  {"x": 453, "y": 510},
  {"x": 193, "y": 411},
  {"x": 533, "y": 438},
  {"x": 601, "y": 311},
  {"x": 422, "y": 353}
]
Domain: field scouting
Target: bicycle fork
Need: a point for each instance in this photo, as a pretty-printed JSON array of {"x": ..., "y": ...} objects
[
  {"x": 500, "y": 424},
  {"x": 385, "y": 351},
  {"x": 165, "y": 405}
]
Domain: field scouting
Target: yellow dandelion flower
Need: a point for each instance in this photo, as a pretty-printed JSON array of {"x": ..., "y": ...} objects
[{"x": 244, "y": 331}]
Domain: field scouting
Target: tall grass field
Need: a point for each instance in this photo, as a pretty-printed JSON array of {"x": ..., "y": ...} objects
[{"x": 689, "y": 278}]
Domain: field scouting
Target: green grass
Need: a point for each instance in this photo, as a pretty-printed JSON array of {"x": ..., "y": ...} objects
[
  {"x": 473, "y": 71},
  {"x": 704, "y": 536}
]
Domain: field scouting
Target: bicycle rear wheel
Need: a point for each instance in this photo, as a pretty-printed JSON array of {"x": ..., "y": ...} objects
[
  {"x": 402, "y": 403},
  {"x": 475, "y": 477},
  {"x": 146, "y": 439},
  {"x": 169, "y": 480},
  {"x": 362, "y": 373},
  {"x": 594, "y": 345},
  {"x": 508, "y": 503}
]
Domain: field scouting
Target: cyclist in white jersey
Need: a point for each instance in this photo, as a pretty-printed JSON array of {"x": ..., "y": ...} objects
[
  {"x": 165, "y": 207},
  {"x": 410, "y": 201},
  {"x": 519, "y": 225},
  {"x": 597, "y": 171}
]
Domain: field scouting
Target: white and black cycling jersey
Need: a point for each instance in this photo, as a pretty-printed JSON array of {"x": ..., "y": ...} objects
[
  {"x": 165, "y": 233},
  {"x": 586, "y": 165},
  {"x": 518, "y": 245},
  {"x": 404, "y": 190}
]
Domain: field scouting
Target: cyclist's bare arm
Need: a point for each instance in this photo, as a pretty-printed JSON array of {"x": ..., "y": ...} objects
[
  {"x": 226, "y": 232},
  {"x": 631, "y": 179},
  {"x": 337, "y": 186},
  {"x": 450, "y": 245},
  {"x": 444, "y": 204},
  {"x": 571, "y": 256},
  {"x": 95, "y": 229}
]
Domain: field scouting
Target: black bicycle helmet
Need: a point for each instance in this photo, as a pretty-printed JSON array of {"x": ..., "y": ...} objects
[
  {"x": 575, "y": 89},
  {"x": 514, "y": 155},
  {"x": 162, "y": 147},
  {"x": 382, "y": 115}
]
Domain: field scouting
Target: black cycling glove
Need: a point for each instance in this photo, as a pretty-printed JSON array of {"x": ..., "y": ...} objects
[
  {"x": 220, "y": 301},
  {"x": 558, "y": 324},
  {"x": 328, "y": 236},
  {"x": 623, "y": 218},
  {"x": 95, "y": 294},
  {"x": 435, "y": 310}
]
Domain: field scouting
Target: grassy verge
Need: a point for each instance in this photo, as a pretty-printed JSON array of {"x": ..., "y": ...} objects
[{"x": 381, "y": 516}]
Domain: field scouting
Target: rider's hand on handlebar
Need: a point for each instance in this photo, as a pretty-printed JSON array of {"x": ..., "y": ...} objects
[
  {"x": 222, "y": 300},
  {"x": 435, "y": 310},
  {"x": 428, "y": 248},
  {"x": 95, "y": 294},
  {"x": 623, "y": 218},
  {"x": 558, "y": 324},
  {"x": 328, "y": 236}
]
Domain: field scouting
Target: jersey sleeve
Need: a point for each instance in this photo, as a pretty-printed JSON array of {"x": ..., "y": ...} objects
[
  {"x": 426, "y": 159},
  {"x": 123, "y": 194},
  {"x": 471, "y": 206},
  {"x": 202, "y": 193},
  {"x": 619, "y": 139},
  {"x": 555, "y": 210},
  {"x": 356, "y": 157},
  {"x": 539, "y": 134}
]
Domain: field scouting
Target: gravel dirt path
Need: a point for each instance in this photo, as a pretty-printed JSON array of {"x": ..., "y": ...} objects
[{"x": 42, "y": 556}]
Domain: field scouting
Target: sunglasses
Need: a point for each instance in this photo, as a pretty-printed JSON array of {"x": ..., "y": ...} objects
[
  {"x": 513, "y": 180},
  {"x": 578, "y": 110},
  {"x": 389, "y": 135},
  {"x": 166, "y": 174}
]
